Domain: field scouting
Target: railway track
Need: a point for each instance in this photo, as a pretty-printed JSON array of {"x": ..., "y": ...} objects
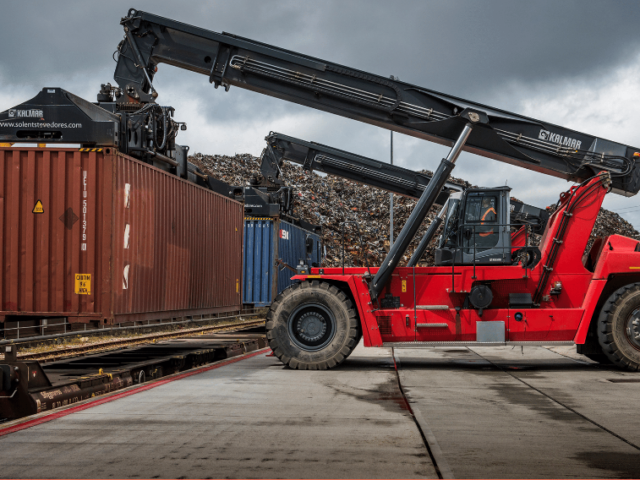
[
  {"x": 42, "y": 381},
  {"x": 99, "y": 347}
]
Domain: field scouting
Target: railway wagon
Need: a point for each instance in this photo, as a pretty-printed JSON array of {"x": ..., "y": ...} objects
[{"x": 92, "y": 237}]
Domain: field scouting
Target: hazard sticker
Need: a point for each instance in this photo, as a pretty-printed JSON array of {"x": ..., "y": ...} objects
[
  {"x": 404, "y": 286},
  {"x": 83, "y": 284},
  {"x": 38, "y": 208}
]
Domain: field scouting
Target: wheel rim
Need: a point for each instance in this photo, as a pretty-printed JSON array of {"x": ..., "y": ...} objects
[
  {"x": 312, "y": 326},
  {"x": 633, "y": 329}
]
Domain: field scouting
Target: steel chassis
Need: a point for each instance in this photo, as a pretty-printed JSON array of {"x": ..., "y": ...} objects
[{"x": 433, "y": 310}]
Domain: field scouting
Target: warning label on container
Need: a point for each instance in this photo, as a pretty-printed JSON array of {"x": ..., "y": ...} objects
[
  {"x": 38, "y": 208},
  {"x": 83, "y": 284}
]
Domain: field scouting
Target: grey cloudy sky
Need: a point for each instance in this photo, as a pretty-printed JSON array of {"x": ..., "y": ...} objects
[{"x": 571, "y": 62}]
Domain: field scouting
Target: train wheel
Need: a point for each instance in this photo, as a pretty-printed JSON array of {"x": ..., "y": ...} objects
[
  {"x": 312, "y": 326},
  {"x": 619, "y": 327}
]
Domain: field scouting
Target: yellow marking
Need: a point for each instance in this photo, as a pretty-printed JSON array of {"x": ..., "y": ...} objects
[
  {"x": 83, "y": 284},
  {"x": 6, "y": 144},
  {"x": 237, "y": 286},
  {"x": 38, "y": 207},
  {"x": 634, "y": 268},
  {"x": 42, "y": 145},
  {"x": 404, "y": 286},
  {"x": 314, "y": 276}
]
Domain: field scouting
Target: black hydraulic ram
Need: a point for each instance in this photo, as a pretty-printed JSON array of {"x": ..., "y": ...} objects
[
  {"x": 426, "y": 239},
  {"x": 229, "y": 60},
  {"x": 423, "y": 206}
]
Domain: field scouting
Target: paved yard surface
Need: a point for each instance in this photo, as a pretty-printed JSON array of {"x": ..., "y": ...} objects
[{"x": 476, "y": 412}]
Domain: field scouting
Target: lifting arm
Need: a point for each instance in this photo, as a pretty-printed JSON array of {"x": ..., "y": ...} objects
[
  {"x": 230, "y": 60},
  {"x": 315, "y": 156}
]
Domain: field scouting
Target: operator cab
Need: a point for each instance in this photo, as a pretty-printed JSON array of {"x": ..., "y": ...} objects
[{"x": 477, "y": 228}]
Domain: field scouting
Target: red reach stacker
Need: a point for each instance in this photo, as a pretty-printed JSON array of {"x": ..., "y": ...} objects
[{"x": 491, "y": 285}]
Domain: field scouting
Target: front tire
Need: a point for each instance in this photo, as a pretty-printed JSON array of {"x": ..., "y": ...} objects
[
  {"x": 312, "y": 326},
  {"x": 619, "y": 327}
]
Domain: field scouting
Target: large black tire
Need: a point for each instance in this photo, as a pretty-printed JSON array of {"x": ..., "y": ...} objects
[
  {"x": 312, "y": 326},
  {"x": 619, "y": 327}
]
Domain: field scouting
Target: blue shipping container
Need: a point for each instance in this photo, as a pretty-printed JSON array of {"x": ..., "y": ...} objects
[
  {"x": 269, "y": 244},
  {"x": 258, "y": 261},
  {"x": 296, "y": 245}
]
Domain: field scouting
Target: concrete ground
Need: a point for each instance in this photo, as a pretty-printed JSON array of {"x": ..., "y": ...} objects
[
  {"x": 502, "y": 413},
  {"x": 246, "y": 420},
  {"x": 484, "y": 412}
]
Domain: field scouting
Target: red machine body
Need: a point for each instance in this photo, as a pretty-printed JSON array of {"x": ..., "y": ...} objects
[{"x": 432, "y": 299}]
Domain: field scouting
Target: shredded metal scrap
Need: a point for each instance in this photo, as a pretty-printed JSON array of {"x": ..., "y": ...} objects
[{"x": 331, "y": 201}]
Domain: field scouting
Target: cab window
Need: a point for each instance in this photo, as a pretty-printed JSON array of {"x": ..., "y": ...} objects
[
  {"x": 481, "y": 209},
  {"x": 481, "y": 216}
]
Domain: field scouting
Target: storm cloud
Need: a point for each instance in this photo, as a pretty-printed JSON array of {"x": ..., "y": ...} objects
[{"x": 573, "y": 63}]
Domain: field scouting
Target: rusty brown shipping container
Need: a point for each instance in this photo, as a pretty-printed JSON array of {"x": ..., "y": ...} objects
[{"x": 101, "y": 237}]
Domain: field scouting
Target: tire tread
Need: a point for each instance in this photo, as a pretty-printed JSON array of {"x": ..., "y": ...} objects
[{"x": 354, "y": 333}]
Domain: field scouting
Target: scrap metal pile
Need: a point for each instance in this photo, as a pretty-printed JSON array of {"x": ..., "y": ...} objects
[{"x": 331, "y": 201}]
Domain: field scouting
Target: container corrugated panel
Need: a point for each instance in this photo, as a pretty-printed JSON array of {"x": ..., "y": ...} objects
[
  {"x": 153, "y": 245},
  {"x": 292, "y": 249},
  {"x": 259, "y": 271},
  {"x": 177, "y": 246},
  {"x": 44, "y": 248}
]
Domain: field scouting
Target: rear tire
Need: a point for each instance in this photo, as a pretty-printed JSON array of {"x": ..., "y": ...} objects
[
  {"x": 619, "y": 327},
  {"x": 312, "y": 326}
]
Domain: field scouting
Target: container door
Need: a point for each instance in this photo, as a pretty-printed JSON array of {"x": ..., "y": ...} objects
[
  {"x": 291, "y": 250},
  {"x": 258, "y": 262},
  {"x": 53, "y": 240}
]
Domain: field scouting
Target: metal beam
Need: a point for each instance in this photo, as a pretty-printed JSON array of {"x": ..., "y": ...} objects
[{"x": 230, "y": 60}]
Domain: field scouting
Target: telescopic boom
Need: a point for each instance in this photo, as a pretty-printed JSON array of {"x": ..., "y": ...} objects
[{"x": 229, "y": 60}]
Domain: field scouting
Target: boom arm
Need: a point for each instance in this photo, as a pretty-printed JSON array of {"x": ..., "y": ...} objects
[
  {"x": 315, "y": 156},
  {"x": 402, "y": 181},
  {"x": 229, "y": 60}
]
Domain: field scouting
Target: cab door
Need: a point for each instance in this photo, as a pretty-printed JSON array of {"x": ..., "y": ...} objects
[{"x": 481, "y": 230}]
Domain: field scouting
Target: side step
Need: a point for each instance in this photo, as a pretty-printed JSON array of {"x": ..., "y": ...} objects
[{"x": 472, "y": 344}]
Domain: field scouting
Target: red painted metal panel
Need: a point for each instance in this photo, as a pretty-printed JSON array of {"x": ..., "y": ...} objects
[{"x": 181, "y": 253}]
